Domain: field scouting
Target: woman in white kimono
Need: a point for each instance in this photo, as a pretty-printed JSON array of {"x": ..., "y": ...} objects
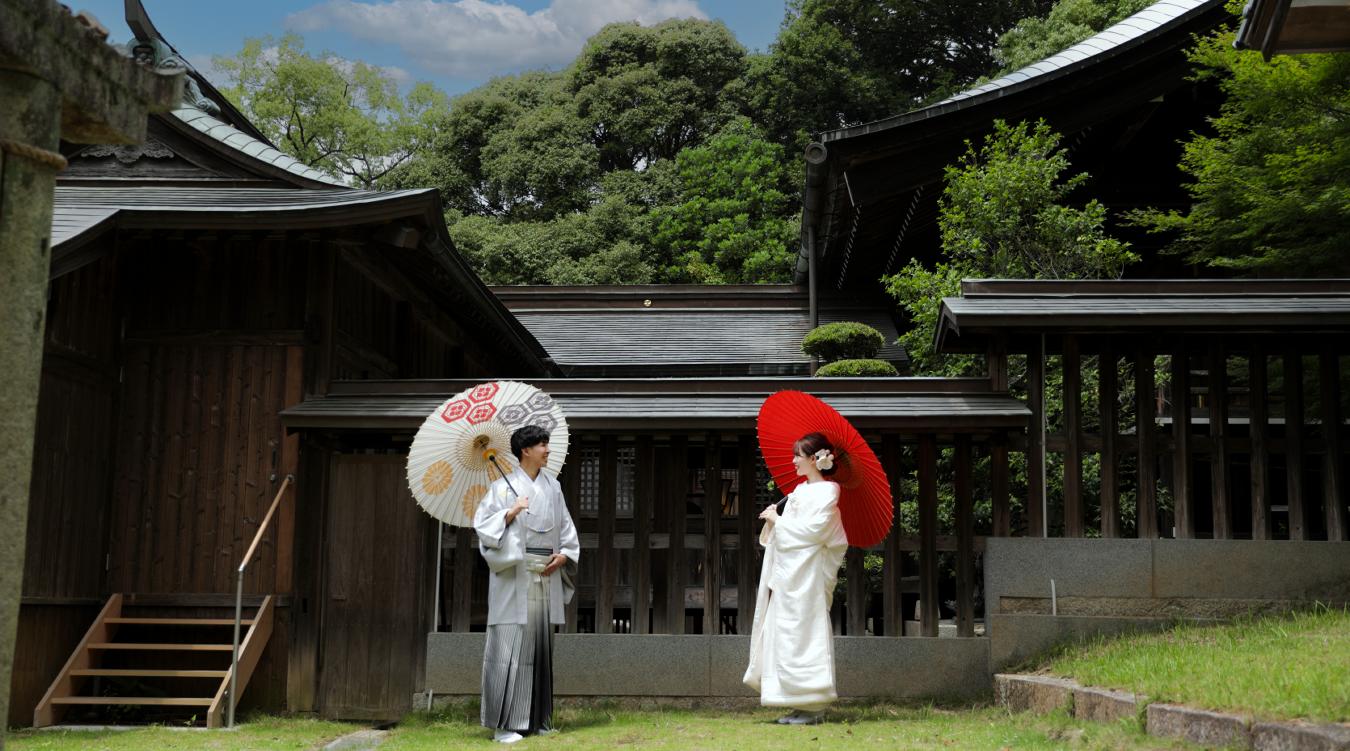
[
  {"x": 791, "y": 646},
  {"x": 531, "y": 547}
]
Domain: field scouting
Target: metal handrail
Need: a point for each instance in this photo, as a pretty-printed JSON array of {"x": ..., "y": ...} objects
[{"x": 239, "y": 592}]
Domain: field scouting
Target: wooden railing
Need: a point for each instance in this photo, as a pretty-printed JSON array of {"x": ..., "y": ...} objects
[{"x": 239, "y": 606}]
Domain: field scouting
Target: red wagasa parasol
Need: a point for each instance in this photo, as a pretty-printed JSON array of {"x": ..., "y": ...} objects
[{"x": 865, "y": 494}]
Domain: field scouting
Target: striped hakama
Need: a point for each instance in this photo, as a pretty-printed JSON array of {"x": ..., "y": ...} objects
[{"x": 518, "y": 664}]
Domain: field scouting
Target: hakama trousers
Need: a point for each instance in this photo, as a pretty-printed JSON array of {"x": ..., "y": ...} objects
[{"x": 518, "y": 668}]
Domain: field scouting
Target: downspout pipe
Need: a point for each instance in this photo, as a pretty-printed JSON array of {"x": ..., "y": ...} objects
[{"x": 813, "y": 199}]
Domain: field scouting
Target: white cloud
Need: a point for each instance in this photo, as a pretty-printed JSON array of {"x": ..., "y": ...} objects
[{"x": 476, "y": 38}]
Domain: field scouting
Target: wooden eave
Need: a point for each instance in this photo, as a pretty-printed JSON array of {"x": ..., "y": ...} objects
[
  {"x": 638, "y": 405},
  {"x": 1019, "y": 312}
]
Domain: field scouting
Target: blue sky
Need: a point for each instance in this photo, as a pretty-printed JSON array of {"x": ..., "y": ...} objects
[{"x": 456, "y": 44}]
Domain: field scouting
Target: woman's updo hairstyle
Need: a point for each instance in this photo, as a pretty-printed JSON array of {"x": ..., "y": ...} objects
[{"x": 811, "y": 443}]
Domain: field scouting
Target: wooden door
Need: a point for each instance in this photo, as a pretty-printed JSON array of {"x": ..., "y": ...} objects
[{"x": 378, "y": 551}]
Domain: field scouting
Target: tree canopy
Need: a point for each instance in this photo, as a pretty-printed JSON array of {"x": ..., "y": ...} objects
[
  {"x": 1006, "y": 211},
  {"x": 1270, "y": 193},
  {"x": 341, "y": 117}
]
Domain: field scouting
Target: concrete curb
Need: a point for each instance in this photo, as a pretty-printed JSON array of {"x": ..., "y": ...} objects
[{"x": 1042, "y": 693}]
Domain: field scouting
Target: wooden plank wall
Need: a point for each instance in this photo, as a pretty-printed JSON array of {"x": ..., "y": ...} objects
[
  {"x": 67, "y": 516},
  {"x": 1246, "y": 437},
  {"x": 376, "y": 598}
]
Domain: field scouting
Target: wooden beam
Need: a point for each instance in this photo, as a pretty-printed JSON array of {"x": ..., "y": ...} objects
[
  {"x": 1218, "y": 456},
  {"x": 1260, "y": 452},
  {"x": 965, "y": 534},
  {"x": 893, "y": 563},
  {"x": 747, "y": 586},
  {"x": 1333, "y": 465},
  {"x": 644, "y": 493},
  {"x": 1073, "y": 428},
  {"x": 1293, "y": 443},
  {"x": 1146, "y": 494},
  {"x": 928, "y": 555},
  {"x": 1182, "y": 517},
  {"x": 712, "y": 535},
  {"x": 1107, "y": 394},
  {"x": 609, "y": 489},
  {"x": 1036, "y": 440}
]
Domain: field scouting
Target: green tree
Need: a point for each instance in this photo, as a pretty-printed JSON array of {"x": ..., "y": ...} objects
[
  {"x": 1004, "y": 213},
  {"x": 733, "y": 218},
  {"x": 1270, "y": 192},
  {"x": 1068, "y": 23},
  {"x": 344, "y": 118},
  {"x": 842, "y": 62},
  {"x": 646, "y": 92}
]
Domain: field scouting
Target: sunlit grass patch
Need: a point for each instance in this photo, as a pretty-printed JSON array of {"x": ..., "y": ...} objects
[{"x": 1294, "y": 666}]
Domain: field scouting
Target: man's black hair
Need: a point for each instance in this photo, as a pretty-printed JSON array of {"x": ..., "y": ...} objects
[{"x": 530, "y": 435}]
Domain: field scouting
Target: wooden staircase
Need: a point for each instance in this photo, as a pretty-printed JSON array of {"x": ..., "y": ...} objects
[{"x": 165, "y": 663}]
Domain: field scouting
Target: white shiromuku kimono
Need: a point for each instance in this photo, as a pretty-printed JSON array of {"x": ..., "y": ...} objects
[
  {"x": 523, "y": 606},
  {"x": 792, "y": 644}
]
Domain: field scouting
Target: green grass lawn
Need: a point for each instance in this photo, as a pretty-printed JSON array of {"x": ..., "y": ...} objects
[
  {"x": 261, "y": 733},
  {"x": 621, "y": 725},
  {"x": 849, "y": 726},
  {"x": 1275, "y": 667}
]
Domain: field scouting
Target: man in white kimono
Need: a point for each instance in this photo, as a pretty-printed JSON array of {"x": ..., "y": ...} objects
[{"x": 531, "y": 547}]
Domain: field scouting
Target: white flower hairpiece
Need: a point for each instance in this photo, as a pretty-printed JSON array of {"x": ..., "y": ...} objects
[{"x": 824, "y": 460}]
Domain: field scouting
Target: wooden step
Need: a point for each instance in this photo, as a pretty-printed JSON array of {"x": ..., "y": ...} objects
[
  {"x": 154, "y": 701},
  {"x": 147, "y": 673},
  {"x": 180, "y": 621},
  {"x": 163, "y": 647}
]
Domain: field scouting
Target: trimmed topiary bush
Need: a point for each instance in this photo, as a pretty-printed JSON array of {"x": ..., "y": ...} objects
[
  {"x": 846, "y": 340},
  {"x": 854, "y": 368}
]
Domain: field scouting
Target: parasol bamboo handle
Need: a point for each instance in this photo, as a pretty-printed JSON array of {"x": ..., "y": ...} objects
[{"x": 492, "y": 457}]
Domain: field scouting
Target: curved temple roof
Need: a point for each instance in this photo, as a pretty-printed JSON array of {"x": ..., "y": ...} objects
[{"x": 248, "y": 146}]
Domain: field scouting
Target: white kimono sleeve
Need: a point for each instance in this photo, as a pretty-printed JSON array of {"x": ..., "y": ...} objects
[
  {"x": 810, "y": 525},
  {"x": 500, "y": 545}
]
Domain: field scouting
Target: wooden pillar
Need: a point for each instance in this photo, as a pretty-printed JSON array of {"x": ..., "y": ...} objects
[
  {"x": 712, "y": 535},
  {"x": 1293, "y": 443},
  {"x": 1183, "y": 519},
  {"x": 1218, "y": 435},
  {"x": 644, "y": 495},
  {"x": 928, "y": 554},
  {"x": 1260, "y": 456},
  {"x": 609, "y": 486},
  {"x": 999, "y": 475},
  {"x": 466, "y": 554},
  {"x": 1036, "y": 440},
  {"x": 1107, "y": 390},
  {"x": 677, "y": 559},
  {"x": 1146, "y": 494},
  {"x": 856, "y": 603},
  {"x": 571, "y": 485},
  {"x": 747, "y": 575},
  {"x": 965, "y": 541},
  {"x": 892, "y": 566},
  {"x": 997, "y": 360},
  {"x": 661, "y": 560},
  {"x": 1073, "y": 434},
  {"x": 1333, "y": 467}
]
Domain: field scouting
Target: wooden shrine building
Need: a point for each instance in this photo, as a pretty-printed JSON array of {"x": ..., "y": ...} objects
[{"x": 239, "y": 351}]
